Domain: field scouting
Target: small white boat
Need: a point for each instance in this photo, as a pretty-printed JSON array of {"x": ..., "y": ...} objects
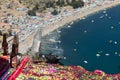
[
  {"x": 59, "y": 41},
  {"x": 101, "y": 16},
  {"x": 116, "y": 53},
  {"x": 75, "y": 49},
  {"x": 76, "y": 42},
  {"x": 71, "y": 23},
  {"x": 85, "y": 31},
  {"x": 115, "y": 42},
  {"x": 107, "y": 54},
  {"x": 59, "y": 31},
  {"x": 83, "y": 18},
  {"x": 92, "y": 21},
  {"x": 110, "y": 41},
  {"x": 52, "y": 40},
  {"x": 97, "y": 55},
  {"x": 64, "y": 58},
  {"x": 104, "y": 11},
  {"x": 106, "y": 14},
  {"x": 112, "y": 27},
  {"x": 85, "y": 61},
  {"x": 69, "y": 26}
]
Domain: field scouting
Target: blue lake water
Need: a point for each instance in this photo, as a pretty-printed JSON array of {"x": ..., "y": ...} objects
[{"x": 94, "y": 42}]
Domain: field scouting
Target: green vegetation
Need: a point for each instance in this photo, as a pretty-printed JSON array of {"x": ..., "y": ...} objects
[
  {"x": 77, "y": 4},
  {"x": 60, "y": 3},
  {"x": 55, "y": 12},
  {"x": 50, "y": 4},
  {"x": 41, "y": 5},
  {"x": 36, "y": 57}
]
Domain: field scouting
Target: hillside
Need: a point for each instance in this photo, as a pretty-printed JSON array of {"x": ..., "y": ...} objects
[{"x": 9, "y": 7}]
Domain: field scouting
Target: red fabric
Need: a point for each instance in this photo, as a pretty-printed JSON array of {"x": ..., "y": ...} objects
[{"x": 18, "y": 70}]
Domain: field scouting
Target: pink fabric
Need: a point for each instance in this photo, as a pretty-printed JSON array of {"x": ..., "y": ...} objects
[{"x": 99, "y": 72}]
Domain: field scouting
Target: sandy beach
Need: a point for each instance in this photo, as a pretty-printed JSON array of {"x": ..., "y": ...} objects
[{"x": 68, "y": 19}]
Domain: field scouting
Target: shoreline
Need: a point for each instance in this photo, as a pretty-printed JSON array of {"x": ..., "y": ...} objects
[
  {"x": 49, "y": 28},
  {"x": 27, "y": 43}
]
